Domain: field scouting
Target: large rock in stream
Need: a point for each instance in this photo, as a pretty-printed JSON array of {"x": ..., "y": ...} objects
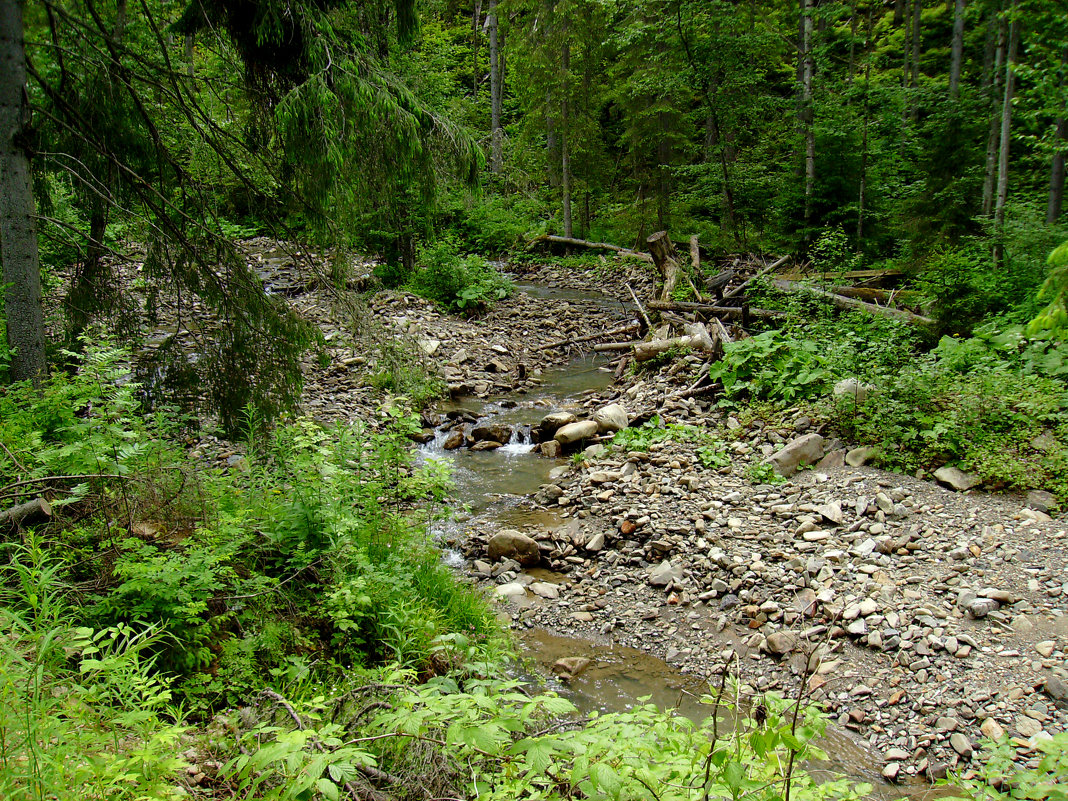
[
  {"x": 576, "y": 432},
  {"x": 511, "y": 544}
]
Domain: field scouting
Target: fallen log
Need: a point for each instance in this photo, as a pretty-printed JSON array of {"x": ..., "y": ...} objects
[
  {"x": 851, "y": 304},
  {"x": 885, "y": 295},
  {"x": 697, "y": 338},
  {"x": 709, "y": 308},
  {"x": 36, "y": 511},
  {"x": 606, "y": 347},
  {"x": 582, "y": 243},
  {"x": 559, "y": 343}
]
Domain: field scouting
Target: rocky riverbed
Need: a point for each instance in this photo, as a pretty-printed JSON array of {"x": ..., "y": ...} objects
[{"x": 921, "y": 617}]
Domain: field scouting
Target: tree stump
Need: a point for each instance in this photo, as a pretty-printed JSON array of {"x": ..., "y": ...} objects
[{"x": 663, "y": 252}]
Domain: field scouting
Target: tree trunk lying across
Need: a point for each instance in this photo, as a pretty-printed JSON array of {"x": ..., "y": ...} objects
[
  {"x": 697, "y": 337},
  {"x": 709, "y": 308},
  {"x": 582, "y": 243},
  {"x": 885, "y": 295},
  {"x": 33, "y": 511},
  {"x": 843, "y": 302},
  {"x": 567, "y": 341}
]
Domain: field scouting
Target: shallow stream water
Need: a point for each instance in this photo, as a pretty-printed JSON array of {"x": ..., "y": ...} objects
[{"x": 493, "y": 484}]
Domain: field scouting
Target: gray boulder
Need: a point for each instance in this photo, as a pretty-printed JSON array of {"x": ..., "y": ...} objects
[
  {"x": 511, "y": 544},
  {"x": 956, "y": 479},
  {"x": 575, "y": 432},
  {"x": 804, "y": 450},
  {"x": 610, "y": 418}
]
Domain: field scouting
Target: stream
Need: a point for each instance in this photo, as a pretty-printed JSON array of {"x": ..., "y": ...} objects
[{"x": 493, "y": 486}]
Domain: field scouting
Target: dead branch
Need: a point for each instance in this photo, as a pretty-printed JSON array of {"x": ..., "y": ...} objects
[
  {"x": 582, "y": 243},
  {"x": 770, "y": 268},
  {"x": 32, "y": 511}
]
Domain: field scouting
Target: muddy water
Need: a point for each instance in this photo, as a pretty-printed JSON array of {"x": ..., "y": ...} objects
[{"x": 493, "y": 484}]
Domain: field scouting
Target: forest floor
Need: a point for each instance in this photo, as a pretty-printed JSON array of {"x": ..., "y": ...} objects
[{"x": 850, "y": 584}]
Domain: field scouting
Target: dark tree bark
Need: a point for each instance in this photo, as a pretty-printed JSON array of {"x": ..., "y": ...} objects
[
  {"x": 18, "y": 236},
  {"x": 565, "y": 156},
  {"x": 495, "y": 92},
  {"x": 1006, "y": 137},
  {"x": 806, "y": 69},
  {"x": 992, "y": 86},
  {"x": 957, "y": 49}
]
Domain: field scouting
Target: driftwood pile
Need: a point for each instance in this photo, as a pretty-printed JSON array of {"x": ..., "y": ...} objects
[{"x": 721, "y": 311}]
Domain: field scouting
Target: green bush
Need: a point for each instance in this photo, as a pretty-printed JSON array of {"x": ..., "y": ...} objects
[
  {"x": 980, "y": 402},
  {"x": 468, "y": 284}
]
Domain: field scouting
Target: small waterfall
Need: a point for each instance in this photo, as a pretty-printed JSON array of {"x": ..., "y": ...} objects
[{"x": 519, "y": 441}]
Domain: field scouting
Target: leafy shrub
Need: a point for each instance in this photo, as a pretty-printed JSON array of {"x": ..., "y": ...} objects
[
  {"x": 468, "y": 284},
  {"x": 964, "y": 286},
  {"x": 980, "y": 402},
  {"x": 773, "y": 365}
]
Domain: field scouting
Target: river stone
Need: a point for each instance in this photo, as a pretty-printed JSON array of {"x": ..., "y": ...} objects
[
  {"x": 511, "y": 590},
  {"x": 486, "y": 445},
  {"x": 992, "y": 729},
  {"x": 858, "y": 457},
  {"x": 453, "y": 440},
  {"x": 664, "y": 573},
  {"x": 1056, "y": 688},
  {"x": 550, "y": 449},
  {"x": 429, "y": 346},
  {"x": 961, "y": 744},
  {"x": 781, "y": 642},
  {"x": 1045, "y": 648},
  {"x": 612, "y": 417},
  {"x": 955, "y": 478},
  {"x": 511, "y": 544},
  {"x": 573, "y": 432},
  {"x": 1027, "y": 727},
  {"x": 852, "y": 388},
  {"x": 545, "y": 590},
  {"x": 493, "y": 432},
  {"x": 596, "y": 542},
  {"x": 552, "y": 423},
  {"x": 804, "y": 450},
  {"x": 570, "y": 666},
  {"x": 1040, "y": 500}
]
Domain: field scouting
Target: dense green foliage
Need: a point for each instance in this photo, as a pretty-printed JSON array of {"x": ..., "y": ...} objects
[{"x": 309, "y": 550}]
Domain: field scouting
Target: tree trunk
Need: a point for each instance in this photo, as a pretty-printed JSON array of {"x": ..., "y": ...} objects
[
  {"x": 957, "y": 50},
  {"x": 917, "y": 11},
  {"x": 861, "y": 199},
  {"x": 18, "y": 237},
  {"x": 1006, "y": 135},
  {"x": 806, "y": 69},
  {"x": 1056, "y": 174},
  {"x": 1056, "y": 177},
  {"x": 565, "y": 157},
  {"x": 992, "y": 133},
  {"x": 495, "y": 92}
]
